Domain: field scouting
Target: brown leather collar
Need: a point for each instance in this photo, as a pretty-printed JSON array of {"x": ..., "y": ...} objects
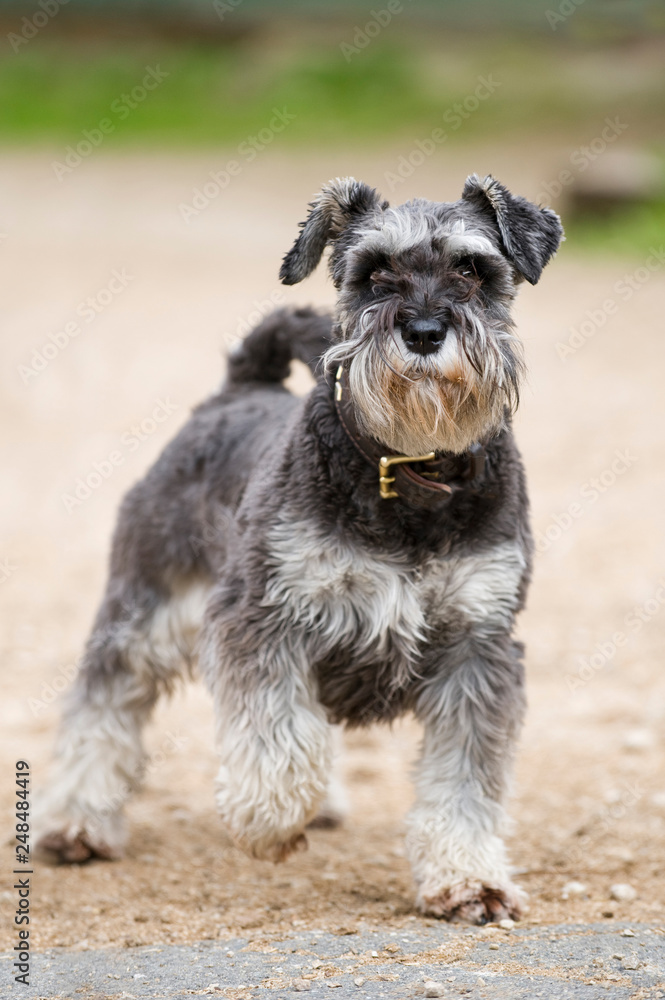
[{"x": 396, "y": 475}]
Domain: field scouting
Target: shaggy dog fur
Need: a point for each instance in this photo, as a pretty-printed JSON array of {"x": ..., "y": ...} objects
[{"x": 259, "y": 545}]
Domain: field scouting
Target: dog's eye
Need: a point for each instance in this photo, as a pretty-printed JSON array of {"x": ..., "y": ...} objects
[
  {"x": 381, "y": 281},
  {"x": 477, "y": 268},
  {"x": 366, "y": 267},
  {"x": 467, "y": 266}
]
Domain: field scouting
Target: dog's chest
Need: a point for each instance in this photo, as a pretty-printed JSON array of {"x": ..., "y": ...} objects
[{"x": 350, "y": 597}]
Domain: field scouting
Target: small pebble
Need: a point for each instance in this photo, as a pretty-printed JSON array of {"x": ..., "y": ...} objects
[
  {"x": 630, "y": 964},
  {"x": 619, "y": 957},
  {"x": 494, "y": 947},
  {"x": 507, "y": 924},
  {"x": 480, "y": 982},
  {"x": 359, "y": 981},
  {"x": 374, "y": 954},
  {"x": 627, "y": 933},
  {"x": 433, "y": 989},
  {"x": 638, "y": 740},
  {"x": 301, "y": 985},
  {"x": 229, "y": 954},
  {"x": 573, "y": 889},
  {"x": 623, "y": 853},
  {"x": 622, "y": 892}
]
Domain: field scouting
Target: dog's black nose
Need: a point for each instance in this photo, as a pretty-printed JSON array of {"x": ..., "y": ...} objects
[{"x": 424, "y": 336}]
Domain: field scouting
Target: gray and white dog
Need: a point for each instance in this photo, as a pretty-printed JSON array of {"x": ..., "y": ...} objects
[{"x": 344, "y": 558}]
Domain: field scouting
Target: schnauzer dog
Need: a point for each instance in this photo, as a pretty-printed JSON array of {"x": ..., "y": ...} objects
[{"x": 344, "y": 558}]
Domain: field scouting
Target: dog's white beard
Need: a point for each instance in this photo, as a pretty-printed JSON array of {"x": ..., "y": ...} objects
[{"x": 443, "y": 403}]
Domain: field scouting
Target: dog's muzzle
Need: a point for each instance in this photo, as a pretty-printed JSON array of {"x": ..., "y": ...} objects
[{"x": 414, "y": 479}]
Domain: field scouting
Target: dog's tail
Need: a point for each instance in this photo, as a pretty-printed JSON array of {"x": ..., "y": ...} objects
[{"x": 266, "y": 353}]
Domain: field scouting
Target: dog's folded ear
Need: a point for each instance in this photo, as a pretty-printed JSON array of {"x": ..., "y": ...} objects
[
  {"x": 341, "y": 202},
  {"x": 530, "y": 235}
]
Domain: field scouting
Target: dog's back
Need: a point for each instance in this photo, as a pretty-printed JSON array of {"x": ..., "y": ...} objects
[{"x": 174, "y": 521}]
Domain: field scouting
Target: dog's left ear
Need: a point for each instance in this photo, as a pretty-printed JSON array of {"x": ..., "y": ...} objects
[
  {"x": 530, "y": 235},
  {"x": 340, "y": 202}
]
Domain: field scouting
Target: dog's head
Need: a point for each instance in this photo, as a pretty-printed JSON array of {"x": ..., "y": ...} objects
[{"x": 425, "y": 292}]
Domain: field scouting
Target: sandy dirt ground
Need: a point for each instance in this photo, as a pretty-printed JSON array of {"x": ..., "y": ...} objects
[{"x": 589, "y": 794}]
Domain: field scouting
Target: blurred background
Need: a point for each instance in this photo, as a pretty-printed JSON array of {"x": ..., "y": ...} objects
[{"x": 155, "y": 159}]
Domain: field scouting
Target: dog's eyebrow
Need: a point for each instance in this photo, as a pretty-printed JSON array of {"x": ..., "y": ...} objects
[
  {"x": 398, "y": 232},
  {"x": 468, "y": 243}
]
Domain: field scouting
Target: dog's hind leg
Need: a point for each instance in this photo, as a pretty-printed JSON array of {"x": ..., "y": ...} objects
[{"x": 139, "y": 646}]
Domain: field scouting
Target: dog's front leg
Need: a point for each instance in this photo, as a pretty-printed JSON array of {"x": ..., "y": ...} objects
[
  {"x": 471, "y": 709},
  {"x": 273, "y": 737}
]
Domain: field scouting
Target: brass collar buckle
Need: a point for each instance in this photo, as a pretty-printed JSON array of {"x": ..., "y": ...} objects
[
  {"x": 385, "y": 479},
  {"x": 416, "y": 487}
]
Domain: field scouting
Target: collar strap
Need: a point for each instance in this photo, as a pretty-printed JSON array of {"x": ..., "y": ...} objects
[{"x": 397, "y": 477}]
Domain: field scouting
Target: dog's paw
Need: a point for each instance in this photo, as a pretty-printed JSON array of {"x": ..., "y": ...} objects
[
  {"x": 74, "y": 846},
  {"x": 473, "y": 903},
  {"x": 274, "y": 850},
  {"x": 280, "y": 852}
]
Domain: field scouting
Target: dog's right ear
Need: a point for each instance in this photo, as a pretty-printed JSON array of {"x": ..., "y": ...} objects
[{"x": 340, "y": 202}]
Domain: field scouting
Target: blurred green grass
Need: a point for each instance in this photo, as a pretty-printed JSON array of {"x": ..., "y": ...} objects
[
  {"x": 398, "y": 87},
  {"x": 631, "y": 232},
  {"x": 53, "y": 89}
]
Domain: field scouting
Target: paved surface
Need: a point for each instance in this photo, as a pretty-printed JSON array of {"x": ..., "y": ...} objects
[{"x": 556, "y": 962}]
